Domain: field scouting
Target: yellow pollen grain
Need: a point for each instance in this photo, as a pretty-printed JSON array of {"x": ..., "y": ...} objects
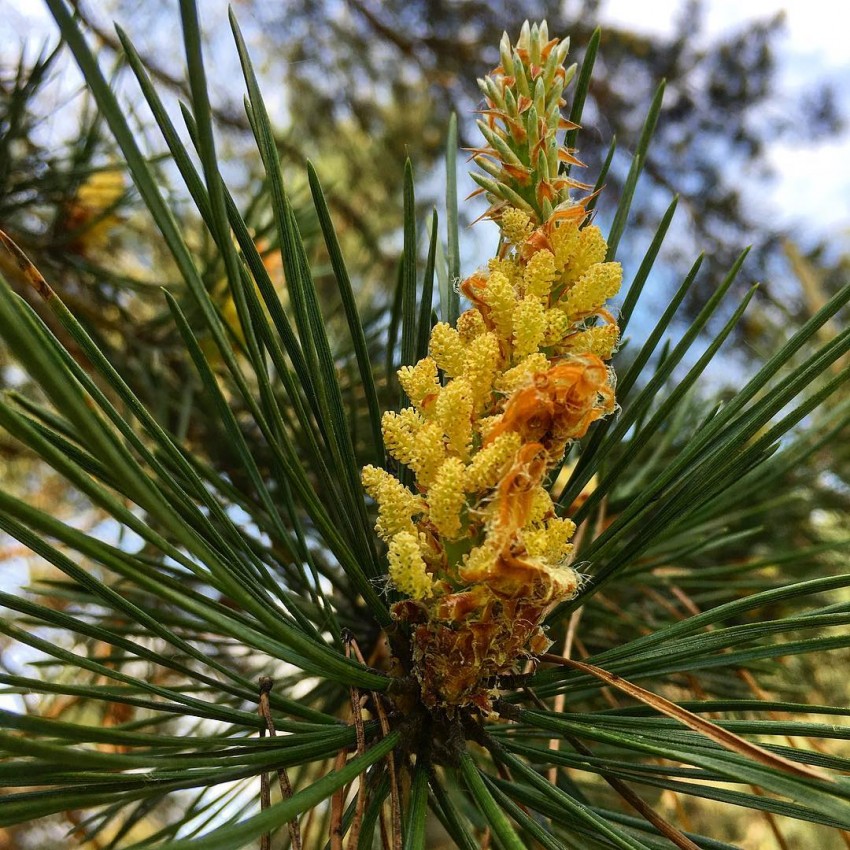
[
  {"x": 486, "y": 424},
  {"x": 591, "y": 249},
  {"x": 516, "y": 225},
  {"x": 565, "y": 241},
  {"x": 552, "y": 541},
  {"x": 500, "y": 297},
  {"x": 470, "y": 324},
  {"x": 529, "y": 326},
  {"x": 478, "y": 564},
  {"x": 540, "y": 274},
  {"x": 507, "y": 266},
  {"x": 446, "y": 498},
  {"x": 558, "y": 325},
  {"x": 407, "y": 566},
  {"x": 396, "y": 504},
  {"x": 428, "y": 453},
  {"x": 600, "y": 283},
  {"x": 521, "y": 374},
  {"x": 480, "y": 366},
  {"x": 541, "y": 506},
  {"x": 419, "y": 381},
  {"x": 600, "y": 340},
  {"x": 454, "y": 415},
  {"x": 489, "y": 464},
  {"x": 447, "y": 348},
  {"x": 400, "y": 430}
]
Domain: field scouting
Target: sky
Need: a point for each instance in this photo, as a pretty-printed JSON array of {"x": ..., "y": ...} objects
[{"x": 814, "y": 46}]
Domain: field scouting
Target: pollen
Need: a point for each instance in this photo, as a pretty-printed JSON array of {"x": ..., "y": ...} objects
[
  {"x": 446, "y": 498},
  {"x": 479, "y": 563},
  {"x": 428, "y": 453},
  {"x": 490, "y": 463},
  {"x": 485, "y": 425},
  {"x": 419, "y": 382},
  {"x": 522, "y": 374},
  {"x": 481, "y": 365},
  {"x": 516, "y": 225},
  {"x": 447, "y": 349},
  {"x": 470, "y": 325},
  {"x": 400, "y": 431},
  {"x": 593, "y": 289},
  {"x": 396, "y": 504},
  {"x": 565, "y": 239},
  {"x": 500, "y": 297},
  {"x": 509, "y": 267},
  {"x": 558, "y": 325},
  {"x": 540, "y": 274},
  {"x": 541, "y": 506},
  {"x": 529, "y": 326},
  {"x": 551, "y": 542},
  {"x": 600, "y": 340},
  {"x": 454, "y": 414},
  {"x": 407, "y": 566},
  {"x": 591, "y": 249}
]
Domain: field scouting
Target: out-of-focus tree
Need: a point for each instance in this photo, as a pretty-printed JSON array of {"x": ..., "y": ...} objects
[
  {"x": 369, "y": 84},
  {"x": 372, "y": 83}
]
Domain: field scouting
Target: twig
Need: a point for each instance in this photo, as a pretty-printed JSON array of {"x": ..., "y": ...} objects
[
  {"x": 266, "y": 685},
  {"x": 337, "y": 803},
  {"x": 385, "y": 833},
  {"x": 395, "y": 802},
  {"x": 747, "y": 677},
  {"x": 772, "y": 823},
  {"x": 357, "y": 715},
  {"x": 265, "y": 792},
  {"x": 572, "y": 628}
]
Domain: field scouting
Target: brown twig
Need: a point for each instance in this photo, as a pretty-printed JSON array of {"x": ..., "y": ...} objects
[
  {"x": 561, "y": 698},
  {"x": 337, "y": 804},
  {"x": 357, "y": 715},
  {"x": 311, "y": 815},
  {"x": 772, "y": 823},
  {"x": 264, "y": 709},
  {"x": 572, "y": 626},
  {"x": 395, "y": 801},
  {"x": 747, "y": 677},
  {"x": 385, "y": 832},
  {"x": 265, "y": 792}
]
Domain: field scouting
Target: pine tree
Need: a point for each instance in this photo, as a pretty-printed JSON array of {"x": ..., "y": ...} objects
[{"x": 507, "y": 575}]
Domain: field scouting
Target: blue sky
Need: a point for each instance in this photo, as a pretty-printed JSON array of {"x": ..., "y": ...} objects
[{"x": 813, "y": 47}]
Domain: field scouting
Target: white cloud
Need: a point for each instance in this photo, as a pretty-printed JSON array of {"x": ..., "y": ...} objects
[
  {"x": 814, "y": 186},
  {"x": 815, "y": 27},
  {"x": 813, "y": 179}
]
